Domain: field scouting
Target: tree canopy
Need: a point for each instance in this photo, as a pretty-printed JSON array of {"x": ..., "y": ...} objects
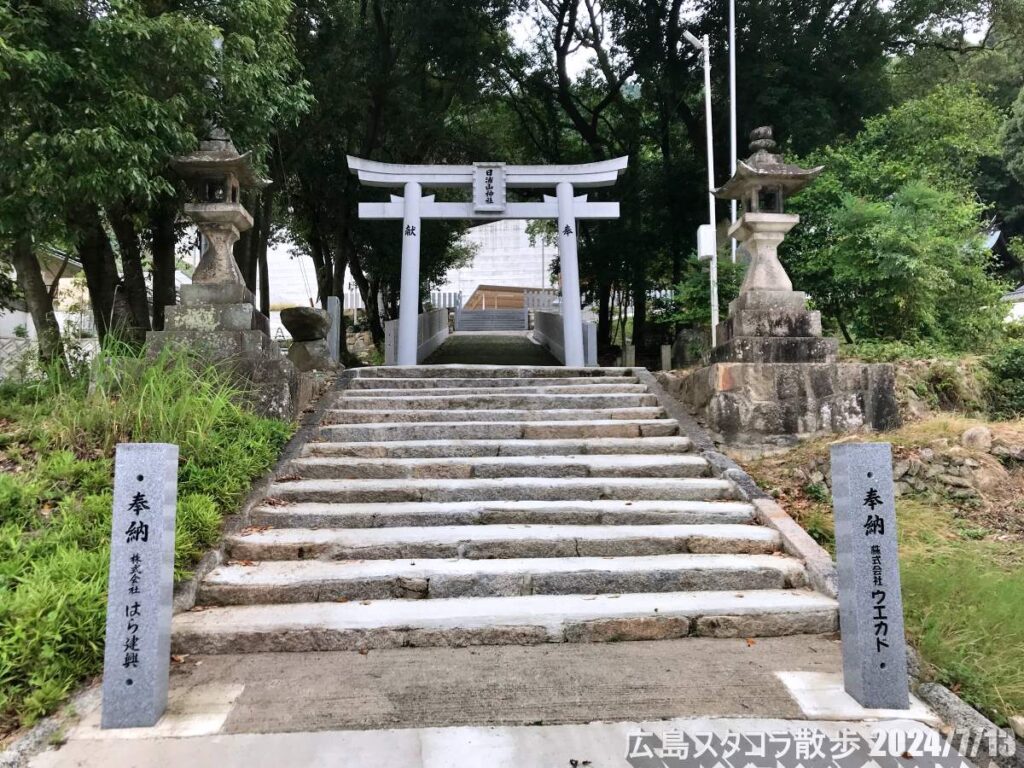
[{"x": 914, "y": 106}]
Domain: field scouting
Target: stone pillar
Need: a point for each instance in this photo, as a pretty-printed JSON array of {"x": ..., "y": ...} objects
[
  {"x": 409, "y": 299},
  {"x": 217, "y": 264},
  {"x": 335, "y": 310},
  {"x": 572, "y": 314}
]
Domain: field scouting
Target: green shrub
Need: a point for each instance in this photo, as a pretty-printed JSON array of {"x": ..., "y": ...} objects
[
  {"x": 63, "y": 473},
  {"x": 19, "y": 498},
  {"x": 881, "y": 351},
  {"x": 1005, "y": 388},
  {"x": 55, "y": 515},
  {"x": 964, "y": 615},
  {"x": 950, "y": 388},
  {"x": 196, "y": 529}
]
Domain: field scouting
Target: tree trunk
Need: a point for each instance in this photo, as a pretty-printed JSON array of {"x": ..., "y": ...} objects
[
  {"x": 264, "y": 281},
  {"x": 604, "y": 314},
  {"x": 134, "y": 283},
  {"x": 101, "y": 277},
  {"x": 39, "y": 301},
  {"x": 246, "y": 249},
  {"x": 843, "y": 328},
  {"x": 162, "y": 218},
  {"x": 640, "y": 307},
  {"x": 368, "y": 289},
  {"x": 261, "y": 231}
]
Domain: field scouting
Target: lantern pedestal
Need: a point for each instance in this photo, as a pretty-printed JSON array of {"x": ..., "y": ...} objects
[{"x": 219, "y": 323}]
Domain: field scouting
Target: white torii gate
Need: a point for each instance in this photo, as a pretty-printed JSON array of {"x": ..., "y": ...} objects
[{"x": 489, "y": 182}]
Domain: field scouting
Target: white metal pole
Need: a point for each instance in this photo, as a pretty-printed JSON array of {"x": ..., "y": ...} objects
[
  {"x": 711, "y": 187},
  {"x": 572, "y": 315},
  {"x": 409, "y": 299},
  {"x": 732, "y": 111}
]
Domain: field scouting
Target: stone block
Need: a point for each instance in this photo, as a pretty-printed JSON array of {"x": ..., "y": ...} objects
[
  {"x": 215, "y": 293},
  {"x": 216, "y": 317},
  {"x": 870, "y": 599},
  {"x": 140, "y": 591},
  {"x": 779, "y": 403},
  {"x": 306, "y": 323},
  {"x": 311, "y": 356},
  {"x": 768, "y": 300},
  {"x": 753, "y": 349},
  {"x": 215, "y": 345},
  {"x": 770, "y": 323}
]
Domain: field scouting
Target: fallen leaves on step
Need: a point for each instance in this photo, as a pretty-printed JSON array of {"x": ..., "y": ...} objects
[
  {"x": 751, "y": 642},
  {"x": 270, "y": 501},
  {"x": 246, "y": 563},
  {"x": 288, "y": 478},
  {"x": 254, "y": 529},
  {"x": 178, "y": 659}
]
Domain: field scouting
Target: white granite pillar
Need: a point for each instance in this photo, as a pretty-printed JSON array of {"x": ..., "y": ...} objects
[
  {"x": 409, "y": 299},
  {"x": 572, "y": 316}
]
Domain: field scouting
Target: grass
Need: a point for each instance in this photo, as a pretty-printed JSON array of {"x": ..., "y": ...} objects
[
  {"x": 963, "y": 577},
  {"x": 57, "y": 438}
]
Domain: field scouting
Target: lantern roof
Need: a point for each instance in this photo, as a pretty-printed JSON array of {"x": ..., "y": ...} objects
[
  {"x": 217, "y": 156},
  {"x": 765, "y": 167}
]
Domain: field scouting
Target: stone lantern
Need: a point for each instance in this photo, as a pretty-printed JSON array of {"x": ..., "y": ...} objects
[
  {"x": 762, "y": 183},
  {"x": 216, "y": 173},
  {"x": 774, "y": 378},
  {"x": 217, "y": 319}
]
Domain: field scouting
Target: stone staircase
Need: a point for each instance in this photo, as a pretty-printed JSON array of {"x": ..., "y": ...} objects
[
  {"x": 491, "y": 320},
  {"x": 472, "y": 505}
]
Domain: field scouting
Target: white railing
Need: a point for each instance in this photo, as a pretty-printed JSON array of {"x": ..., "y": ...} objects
[
  {"x": 445, "y": 299},
  {"x": 431, "y": 331},
  {"x": 541, "y": 300},
  {"x": 548, "y": 329}
]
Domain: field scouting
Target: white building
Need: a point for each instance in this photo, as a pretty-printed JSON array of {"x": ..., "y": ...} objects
[{"x": 505, "y": 257}]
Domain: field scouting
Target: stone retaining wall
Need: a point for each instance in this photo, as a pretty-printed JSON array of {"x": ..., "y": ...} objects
[{"x": 964, "y": 471}]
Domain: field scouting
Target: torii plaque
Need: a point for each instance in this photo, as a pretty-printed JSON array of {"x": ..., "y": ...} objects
[{"x": 489, "y": 181}]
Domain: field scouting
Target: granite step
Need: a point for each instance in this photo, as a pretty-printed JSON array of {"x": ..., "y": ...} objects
[
  {"x": 500, "y": 430},
  {"x": 486, "y": 542},
  {"x": 495, "y": 401},
  {"x": 312, "y": 581},
  {"x": 438, "y": 449},
  {"x": 412, "y": 514},
  {"x": 464, "y": 621},
  {"x": 435, "y": 372},
  {"x": 518, "y": 489},
  {"x": 371, "y": 383},
  {"x": 388, "y": 415},
  {"x": 338, "y": 468},
  {"x": 495, "y": 387}
]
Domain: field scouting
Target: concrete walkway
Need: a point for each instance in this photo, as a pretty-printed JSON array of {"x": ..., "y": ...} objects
[
  {"x": 494, "y": 706},
  {"x": 491, "y": 348},
  {"x": 596, "y": 745}
]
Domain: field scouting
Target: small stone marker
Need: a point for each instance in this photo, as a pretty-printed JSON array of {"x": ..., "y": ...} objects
[
  {"x": 870, "y": 601},
  {"x": 141, "y": 587},
  {"x": 666, "y": 357},
  {"x": 334, "y": 335}
]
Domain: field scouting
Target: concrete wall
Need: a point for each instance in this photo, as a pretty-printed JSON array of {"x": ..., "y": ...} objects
[
  {"x": 549, "y": 331},
  {"x": 432, "y": 330}
]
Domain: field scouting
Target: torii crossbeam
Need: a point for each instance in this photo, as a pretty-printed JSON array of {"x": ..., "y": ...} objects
[{"x": 489, "y": 182}]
